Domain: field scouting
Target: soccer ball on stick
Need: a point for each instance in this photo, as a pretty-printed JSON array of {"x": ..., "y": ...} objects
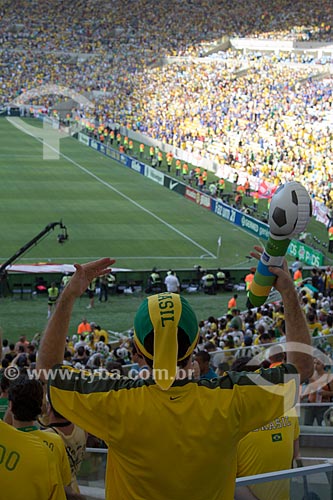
[{"x": 290, "y": 211}]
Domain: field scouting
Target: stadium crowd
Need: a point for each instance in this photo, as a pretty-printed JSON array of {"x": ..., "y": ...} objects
[
  {"x": 236, "y": 334},
  {"x": 181, "y": 30},
  {"x": 260, "y": 114}
]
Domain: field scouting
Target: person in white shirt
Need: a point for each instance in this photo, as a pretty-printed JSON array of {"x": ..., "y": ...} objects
[
  {"x": 81, "y": 342},
  {"x": 171, "y": 282}
]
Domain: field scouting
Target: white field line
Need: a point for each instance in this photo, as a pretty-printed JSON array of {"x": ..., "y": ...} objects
[
  {"x": 13, "y": 156},
  {"x": 106, "y": 184}
]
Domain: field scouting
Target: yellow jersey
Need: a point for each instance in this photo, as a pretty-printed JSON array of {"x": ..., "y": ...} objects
[
  {"x": 266, "y": 449},
  {"x": 57, "y": 447},
  {"x": 161, "y": 445},
  {"x": 28, "y": 468}
]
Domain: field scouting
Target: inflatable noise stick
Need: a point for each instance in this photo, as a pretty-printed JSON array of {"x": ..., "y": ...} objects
[
  {"x": 263, "y": 279},
  {"x": 289, "y": 213}
]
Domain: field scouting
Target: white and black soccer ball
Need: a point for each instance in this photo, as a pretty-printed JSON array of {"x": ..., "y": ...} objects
[
  {"x": 290, "y": 210},
  {"x": 121, "y": 352}
]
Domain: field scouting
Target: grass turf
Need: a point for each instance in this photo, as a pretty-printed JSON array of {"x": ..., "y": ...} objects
[
  {"x": 108, "y": 210},
  {"x": 29, "y": 316}
]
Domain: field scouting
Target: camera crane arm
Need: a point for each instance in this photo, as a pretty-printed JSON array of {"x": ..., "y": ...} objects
[{"x": 33, "y": 242}]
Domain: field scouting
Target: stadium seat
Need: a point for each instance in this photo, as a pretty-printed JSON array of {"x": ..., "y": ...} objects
[
  {"x": 16, "y": 289},
  {"x": 137, "y": 286},
  {"x": 184, "y": 284},
  {"x": 22, "y": 289},
  {"x": 122, "y": 285},
  {"x": 157, "y": 288},
  {"x": 193, "y": 286}
]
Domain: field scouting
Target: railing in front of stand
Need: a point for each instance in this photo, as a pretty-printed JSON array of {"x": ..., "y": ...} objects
[{"x": 303, "y": 481}]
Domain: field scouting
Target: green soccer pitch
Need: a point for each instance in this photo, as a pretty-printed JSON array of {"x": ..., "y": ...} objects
[{"x": 109, "y": 210}]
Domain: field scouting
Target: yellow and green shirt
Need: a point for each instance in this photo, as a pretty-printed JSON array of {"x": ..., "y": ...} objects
[
  {"x": 159, "y": 446},
  {"x": 56, "y": 445},
  {"x": 266, "y": 449},
  {"x": 28, "y": 469}
]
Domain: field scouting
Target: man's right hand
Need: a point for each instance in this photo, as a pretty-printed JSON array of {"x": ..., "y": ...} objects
[
  {"x": 85, "y": 273},
  {"x": 283, "y": 280}
]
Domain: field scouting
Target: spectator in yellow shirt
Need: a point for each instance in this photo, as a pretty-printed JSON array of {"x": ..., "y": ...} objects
[{"x": 25, "y": 397}]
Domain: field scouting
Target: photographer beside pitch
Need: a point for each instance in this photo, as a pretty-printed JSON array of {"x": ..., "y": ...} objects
[{"x": 167, "y": 438}]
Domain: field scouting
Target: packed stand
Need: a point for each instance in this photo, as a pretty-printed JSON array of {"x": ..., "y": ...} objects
[
  {"x": 223, "y": 341},
  {"x": 270, "y": 122}
]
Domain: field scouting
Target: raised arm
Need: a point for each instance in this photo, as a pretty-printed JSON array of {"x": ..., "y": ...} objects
[
  {"x": 52, "y": 346},
  {"x": 297, "y": 330}
]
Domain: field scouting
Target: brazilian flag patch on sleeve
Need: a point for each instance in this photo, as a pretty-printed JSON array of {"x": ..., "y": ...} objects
[{"x": 276, "y": 437}]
